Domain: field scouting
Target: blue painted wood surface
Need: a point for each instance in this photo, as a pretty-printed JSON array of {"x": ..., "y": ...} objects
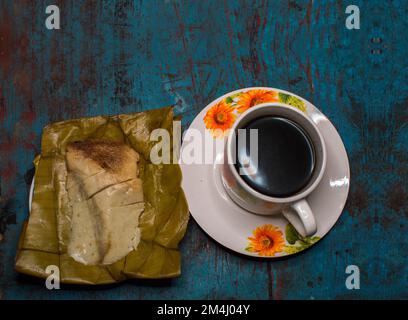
[{"x": 123, "y": 56}]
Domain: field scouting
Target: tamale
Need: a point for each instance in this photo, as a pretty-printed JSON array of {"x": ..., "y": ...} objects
[
  {"x": 162, "y": 223},
  {"x": 105, "y": 216}
]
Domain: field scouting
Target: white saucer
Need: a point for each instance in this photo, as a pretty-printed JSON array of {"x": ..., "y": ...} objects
[{"x": 231, "y": 226}]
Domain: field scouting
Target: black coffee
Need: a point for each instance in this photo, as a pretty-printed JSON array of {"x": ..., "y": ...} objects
[{"x": 285, "y": 157}]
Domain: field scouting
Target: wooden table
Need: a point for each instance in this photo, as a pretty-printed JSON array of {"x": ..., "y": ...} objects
[{"x": 123, "y": 56}]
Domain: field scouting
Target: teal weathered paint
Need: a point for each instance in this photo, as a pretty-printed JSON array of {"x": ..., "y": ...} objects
[{"x": 123, "y": 56}]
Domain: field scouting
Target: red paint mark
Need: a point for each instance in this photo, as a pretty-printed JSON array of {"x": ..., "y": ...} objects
[
  {"x": 308, "y": 71},
  {"x": 386, "y": 221},
  {"x": 29, "y": 115},
  {"x": 307, "y": 20},
  {"x": 88, "y": 75},
  {"x": 317, "y": 73},
  {"x": 61, "y": 109},
  {"x": 172, "y": 76},
  {"x": 265, "y": 22},
  {"x": 7, "y": 145},
  {"x": 339, "y": 85},
  {"x": 396, "y": 197},
  {"x": 190, "y": 62},
  {"x": 58, "y": 69},
  {"x": 8, "y": 172},
  {"x": 275, "y": 284},
  {"x": 7, "y": 44},
  {"x": 256, "y": 24},
  {"x": 252, "y": 63},
  {"x": 309, "y": 15},
  {"x": 294, "y": 5},
  {"x": 23, "y": 83},
  {"x": 88, "y": 72},
  {"x": 278, "y": 288},
  {"x": 28, "y": 143},
  {"x": 15, "y": 48},
  {"x": 3, "y": 110},
  {"x": 317, "y": 15},
  {"x": 368, "y": 221},
  {"x": 270, "y": 281},
  {"x": 234, "y": 56},
  {"x": 23, "y": 43},
  {"x": 358, "y": 199}
]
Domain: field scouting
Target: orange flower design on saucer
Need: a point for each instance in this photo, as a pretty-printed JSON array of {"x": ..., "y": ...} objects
[
  {"x": 220, "y": 118},
  {"x": 267, "y": 240},
  {"x": 253, "y": 97}
]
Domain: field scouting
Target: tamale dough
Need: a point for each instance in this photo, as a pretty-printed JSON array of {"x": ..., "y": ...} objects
[{"x": 106, "y": 198}]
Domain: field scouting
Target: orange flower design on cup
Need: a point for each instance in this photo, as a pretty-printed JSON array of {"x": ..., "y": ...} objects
[
  {"x": 253, "y": 97},
  {"x": 220, "y": 118},
  {"x": 267, "y": 240}
]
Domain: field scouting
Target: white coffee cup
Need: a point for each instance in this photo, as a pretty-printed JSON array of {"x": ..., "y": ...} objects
[{"x": 295, "y": 207}]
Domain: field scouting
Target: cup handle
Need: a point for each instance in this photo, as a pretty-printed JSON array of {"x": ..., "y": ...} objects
[{"x": 301, "y": 217}]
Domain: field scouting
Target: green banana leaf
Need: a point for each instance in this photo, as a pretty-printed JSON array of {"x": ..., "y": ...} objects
[{"x": 45, "y": 235}]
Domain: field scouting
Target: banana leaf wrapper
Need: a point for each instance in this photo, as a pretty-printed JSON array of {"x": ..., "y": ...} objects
[{"x": 44, "y": 238}]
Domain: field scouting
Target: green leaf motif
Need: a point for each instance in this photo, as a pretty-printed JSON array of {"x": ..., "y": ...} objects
[
  {"x": 229, "y": 100},
  {"x": 291, "y": 234},
  {"x": 249, "y": 248},
  {"x": 296, "y": 242},
  {"x": 283, "y": 97},
  {"x": 310, "y": 240},
  {"x": 297, "y": 103},
  {"x": 292, "y": 249},
  {"x": 292, "y": 101},
  {"x": 236, "y": 95}
]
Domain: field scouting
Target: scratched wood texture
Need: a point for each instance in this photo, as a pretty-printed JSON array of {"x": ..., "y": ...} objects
[{"x": 122, "y": 56}]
